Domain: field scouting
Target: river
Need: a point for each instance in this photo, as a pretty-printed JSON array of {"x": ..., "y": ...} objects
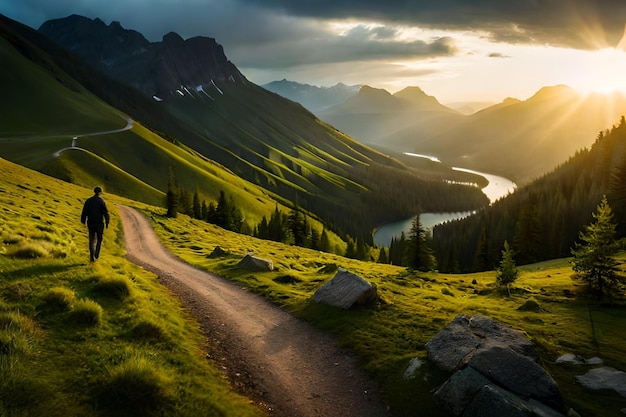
[{"x": 496, "y": 188}]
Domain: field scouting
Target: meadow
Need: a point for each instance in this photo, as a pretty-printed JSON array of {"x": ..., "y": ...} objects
[
  {"x": 545, "y": 302},
  {"x": 108, "y": 339},
  {"x": 102, "y": 339}
]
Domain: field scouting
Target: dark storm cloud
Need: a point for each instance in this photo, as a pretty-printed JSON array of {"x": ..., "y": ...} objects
[
  {"x": 253, "y": 35},
  {"x": 585, "y": 24}
]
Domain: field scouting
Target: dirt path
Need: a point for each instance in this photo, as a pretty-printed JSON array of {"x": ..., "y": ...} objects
[{"x": 287, "y": 367}]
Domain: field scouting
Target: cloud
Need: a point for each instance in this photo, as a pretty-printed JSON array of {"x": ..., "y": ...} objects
[
  {"x": 498, "y": 55},
  {"x": 581, "y": 24}
]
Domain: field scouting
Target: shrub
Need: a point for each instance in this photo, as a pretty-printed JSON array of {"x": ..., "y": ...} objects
[
  {"x": 29, "y": 250},
  {"x": 61, "y": 299},
  {"x": 446, "y": 291},
  {"x": 17, "y": 332},
  {"x": 136, "y": 386},
  {"x": 530, "y": 305},
  {"x": 86, "y": 312},
  {"x": 148, "y": 330},
  {"x": 117, "y": 287}
]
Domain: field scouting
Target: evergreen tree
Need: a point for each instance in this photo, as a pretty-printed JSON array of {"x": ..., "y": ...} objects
[
  {"x": 351, "y": 248},
  {"x": 172, "y": 196},
  {"x": 594, "y": 259},
  {"x": 382, "y": 257},
  {"x": 617, "y": 196},
  {"x": 196, "y": 206},
  {"x": 276, "y": 228},
  {"x": 235, "y": 218},
  {"x": 507, "y": 273},
  {"x": 184, "y": 202},
  {"x": 314, "y": 241},
  {"x": 528, "y": 237},
  {"x": 263, "y": 229},
  {"x": 222, "y": 211},
  {"x": 397, "y": 249},
  {"x": 420, "y": 255},
  {"x": 481, "y": 258},
  {"x": 324, "y": 242},
  {"x": 297, "y": 225}
]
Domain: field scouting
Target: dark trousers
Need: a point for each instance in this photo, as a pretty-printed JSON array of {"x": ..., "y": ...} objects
[{"x": 95, "y": 240}]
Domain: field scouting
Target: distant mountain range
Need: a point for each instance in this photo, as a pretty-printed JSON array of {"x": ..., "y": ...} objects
[
  {"x": 518, "y": 139},
  {"x": 312, "y": 97}
]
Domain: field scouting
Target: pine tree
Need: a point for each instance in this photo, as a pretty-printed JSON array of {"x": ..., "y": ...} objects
[
  {"x": 172, "y": 196},
  {"x": 528, "y": 236},
  {"x": 420, "y": 255},
  {"x": 324, "y": 242},
  {"x": 617, "y": 197},
  {"x": 507, "y": 273},
  {"x": 196, "y": 206},
  {"x": 594, "y": 259},
  {"x": 382, "y": 257}
]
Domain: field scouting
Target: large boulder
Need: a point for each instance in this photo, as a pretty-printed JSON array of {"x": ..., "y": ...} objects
[
  {"x": 455, "y": 344},
  {"x": 254, "y": 263},
  {"x": 494, "y": 371},
  {"x": 346, "y": 290}
]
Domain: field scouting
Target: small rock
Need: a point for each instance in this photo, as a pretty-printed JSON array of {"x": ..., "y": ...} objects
[
  {"x": 411, "y": 369},
  {"x": 594, "y": 361},
  {"x": 254, "y": 263},
  {"x": 571, "y": 359},
  {"x": 604, "y": 378}
]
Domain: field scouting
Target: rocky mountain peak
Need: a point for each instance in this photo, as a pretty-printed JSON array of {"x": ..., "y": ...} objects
[{"x": 156, "y": 68}]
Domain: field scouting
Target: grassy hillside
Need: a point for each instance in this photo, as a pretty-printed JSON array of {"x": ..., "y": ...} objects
[
  {"x": 45, "y": 102},
  {"x": 545, "y": 303},
  {"x": 102, "y": 339}
]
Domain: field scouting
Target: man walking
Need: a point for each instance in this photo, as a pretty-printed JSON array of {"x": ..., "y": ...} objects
[{"x": 96, "y": 216}]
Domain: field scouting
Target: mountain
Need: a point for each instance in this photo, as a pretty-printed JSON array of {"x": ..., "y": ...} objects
[
  {"x": 376, "y": 116},
  {"x": 518, "y": 139},
  {"x": 227, "y": 134},
  {"x": 156, "y": 68},
  {"x": 312, "y": 97},
  {"x": 523, "y": 140},
  {"x": 542, "y": 220}
]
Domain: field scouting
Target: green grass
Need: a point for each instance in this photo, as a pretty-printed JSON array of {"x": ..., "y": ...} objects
[
  {"x": 545, "y": 302},
  {"x": 81, "y": 339}
]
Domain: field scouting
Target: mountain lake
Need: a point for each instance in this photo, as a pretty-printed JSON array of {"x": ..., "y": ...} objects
[{"x": 497, "y": 187}]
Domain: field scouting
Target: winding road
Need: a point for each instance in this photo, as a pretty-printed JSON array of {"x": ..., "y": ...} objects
[
  {"x": 129, "y": 125},
  {"x": 287, "y": 367}
]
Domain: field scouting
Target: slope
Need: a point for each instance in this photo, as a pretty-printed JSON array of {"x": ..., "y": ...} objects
[
  {"x": 93, "y": 340},
  {"x": 542, "y": 219}
]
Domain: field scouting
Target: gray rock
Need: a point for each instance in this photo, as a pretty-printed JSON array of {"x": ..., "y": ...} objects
[
  {"x": 493, "y": 333},
  {"x": 594, "y": 361},
  {"x": 411, "y": 369},
  {"x": 254, "y": 263},
  {"x": 454, "y": 345},
  {"x": 458, "y": 392},
  {"x": 518, "y": 374},
  {"x": 604, "y": 378},
  {"x": 571, "y": 359},
  {"x": 450, "y": 348},
  {"x": 492, "y": 401},
  {"x": 346, "y": 290}
]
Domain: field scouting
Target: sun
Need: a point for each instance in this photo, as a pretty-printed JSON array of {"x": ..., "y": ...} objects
[{"x": 603, "y": 71}]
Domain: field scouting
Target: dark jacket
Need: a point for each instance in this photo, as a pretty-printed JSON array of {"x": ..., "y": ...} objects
[{"x": 95, "y": 211}]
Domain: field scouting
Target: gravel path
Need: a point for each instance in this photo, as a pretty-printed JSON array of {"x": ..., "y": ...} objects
[{"x": 287, "y": 367}]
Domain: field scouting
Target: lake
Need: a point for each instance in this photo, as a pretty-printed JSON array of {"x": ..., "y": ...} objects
[{"x": 497, "y": 188}]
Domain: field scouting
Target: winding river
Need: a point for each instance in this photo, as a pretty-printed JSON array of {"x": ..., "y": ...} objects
[{"x": 496, "y": 188}]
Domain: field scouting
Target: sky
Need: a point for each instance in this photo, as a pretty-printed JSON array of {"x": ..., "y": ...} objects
[{"x": 455, "y": 50}]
